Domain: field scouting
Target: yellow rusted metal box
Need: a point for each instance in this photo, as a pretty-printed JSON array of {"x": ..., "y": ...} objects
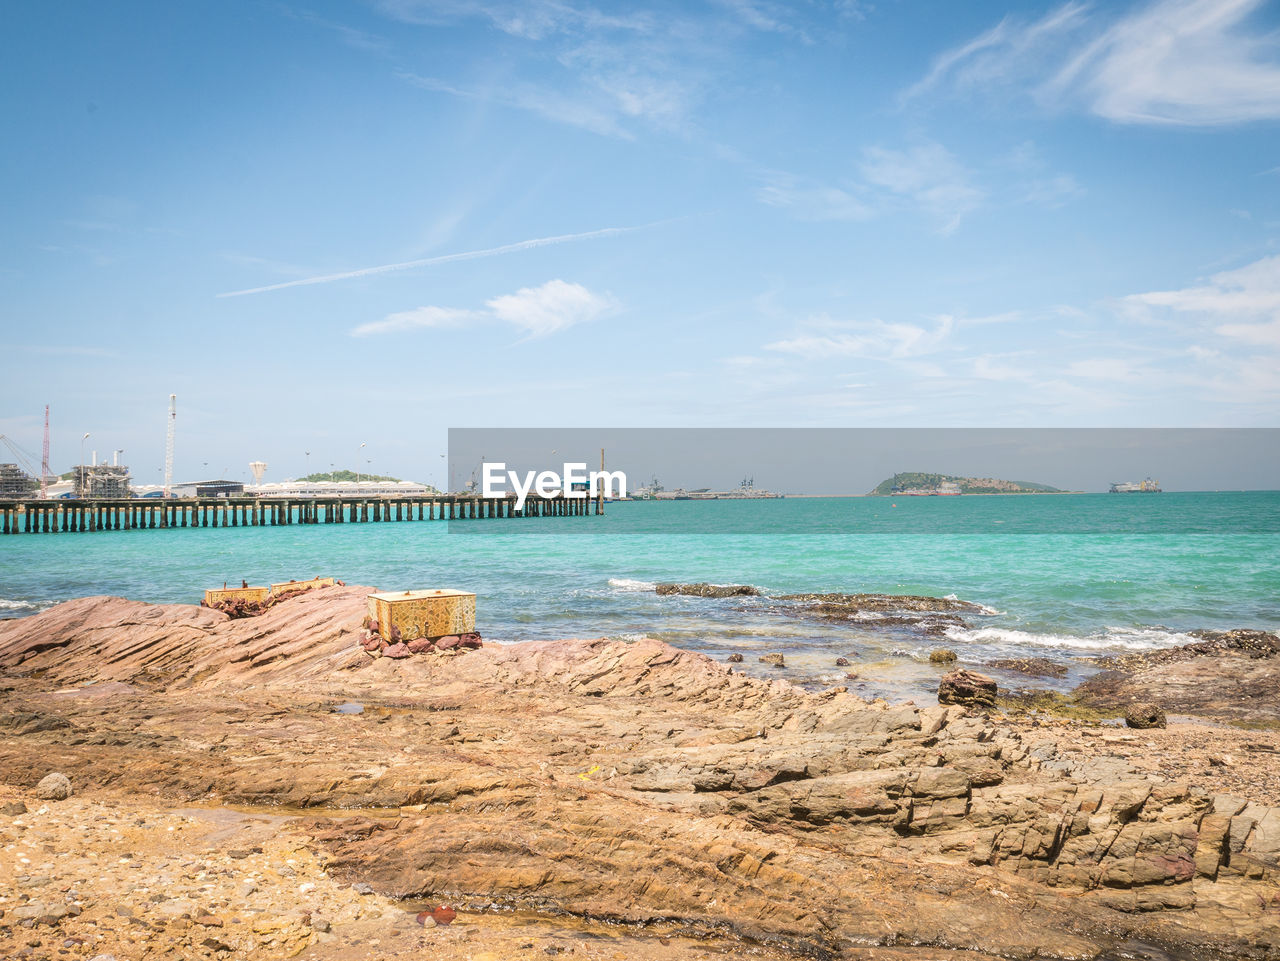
[
  {"x": 312, "y": 584},
  {"x": 257, "y": 594},
  {"x": 423, "y": 613}
]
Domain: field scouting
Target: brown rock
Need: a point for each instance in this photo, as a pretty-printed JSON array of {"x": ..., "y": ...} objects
[
  {"x": 734, "y": 658},
  {"x": 775, "y": 660},
  {"x": 421, "y": 645},
  {"x": 708, "y": 590},
  {"x": 397, "y": 650},
  {"x": 54, "y": 787},
  {"x": 942, "y": 655},
  {"x": 968, "y": 688},
  {"x": 1144, "y": 714}
]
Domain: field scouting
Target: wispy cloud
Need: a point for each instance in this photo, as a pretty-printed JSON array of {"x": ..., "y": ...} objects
[
  {"x": 612, "y": 73},
  {"x": 1185, "y": 62},
  {"x": 432, "y": 261},
  {"x": 929, "y": 177},
  {"x": 925, "y": 177},
  {"x": 875, "y": 339},
  {"x": 1241, "y": 305},
  {"x": 574, "y": 111},
  {"x": 535, "y": 311},
  {"x": 814, "y": 201}
]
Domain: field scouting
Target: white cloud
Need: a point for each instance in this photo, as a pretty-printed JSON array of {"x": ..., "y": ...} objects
[
  {"x": 417, "y": 319},
  {"x": 1189, "y": 62},
  {"x": 928, "y": 176},
  {"x": 815, "y": 201},
  {"x": 536, "y": 311},
  {"x": 1241, "y": 304},
  {"x": 1001, "y": 54},
  {"x": 554, "y": 306},
  {"x": 877, "y": 339}
]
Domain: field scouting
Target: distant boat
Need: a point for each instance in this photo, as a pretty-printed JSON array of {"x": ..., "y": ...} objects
[{"x": 1147, "y": 486}]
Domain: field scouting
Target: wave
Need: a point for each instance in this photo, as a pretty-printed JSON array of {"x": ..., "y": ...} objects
[
  {"x": 8, "y": 605},
  {"x": 631, "y": 586},
  {"x": 1113, "y": 638}
]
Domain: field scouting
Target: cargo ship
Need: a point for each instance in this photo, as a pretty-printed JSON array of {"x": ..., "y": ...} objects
[{"x": 1147, "y": 486}]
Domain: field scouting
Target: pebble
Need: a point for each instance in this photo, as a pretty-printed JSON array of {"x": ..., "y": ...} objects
[{"x": 362, "y": 887}]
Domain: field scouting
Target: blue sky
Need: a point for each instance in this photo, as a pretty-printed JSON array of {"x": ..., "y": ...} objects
[{"x": 327, "y": 224}]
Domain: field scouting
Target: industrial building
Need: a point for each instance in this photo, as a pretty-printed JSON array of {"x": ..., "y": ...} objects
[
  {"x": 102, "y": 481},
  {"x": 15, "y": 483}
]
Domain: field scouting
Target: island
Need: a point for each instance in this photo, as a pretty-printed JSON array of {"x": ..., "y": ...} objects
[{"x": 919, "y": 484}]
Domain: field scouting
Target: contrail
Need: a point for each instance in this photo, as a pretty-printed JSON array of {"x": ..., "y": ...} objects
[{"x": 428, "y": 261}]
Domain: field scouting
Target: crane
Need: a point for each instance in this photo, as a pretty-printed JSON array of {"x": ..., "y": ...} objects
[
  {"x": 44, "y": 463},
  {"x": 168, "y": 444}
]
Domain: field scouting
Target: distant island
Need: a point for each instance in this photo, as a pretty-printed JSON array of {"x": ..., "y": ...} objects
[
  {"x": 918, "y": 483},
  {"x": 346, "y": 475}
]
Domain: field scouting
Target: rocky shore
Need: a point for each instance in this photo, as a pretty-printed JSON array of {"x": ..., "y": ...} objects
[{"x": 586, "y": 797}]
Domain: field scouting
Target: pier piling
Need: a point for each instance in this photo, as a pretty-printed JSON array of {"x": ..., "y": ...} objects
[{"x": 87, "y": 516}]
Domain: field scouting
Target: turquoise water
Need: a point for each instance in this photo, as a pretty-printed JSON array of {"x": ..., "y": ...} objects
[{"x": 1064, "y": 576}]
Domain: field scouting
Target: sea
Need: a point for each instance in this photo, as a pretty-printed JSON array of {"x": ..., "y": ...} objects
[{"x": 1066, "y": 577}]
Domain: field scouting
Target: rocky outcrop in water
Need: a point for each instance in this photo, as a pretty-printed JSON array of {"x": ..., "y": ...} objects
[
  {"x": 633, "y": 781},
  {"x": 1031, "y": 666},
  {"x": 708, "y": 590},
  {"x": 1226, "y": 675}
]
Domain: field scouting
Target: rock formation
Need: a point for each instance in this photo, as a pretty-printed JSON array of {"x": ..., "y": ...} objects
[{"x": 634, "y": 782}]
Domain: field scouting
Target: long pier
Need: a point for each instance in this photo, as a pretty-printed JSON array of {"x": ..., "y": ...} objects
[{"x": 126, "y": 514}]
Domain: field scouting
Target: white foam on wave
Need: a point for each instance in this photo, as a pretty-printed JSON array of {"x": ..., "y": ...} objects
[
  {"x": 982, "y": 608},
  {"x": 1113, "y": 638},
  {"x": 8, "y": 605},
  {"x": 630, "y": 585}
]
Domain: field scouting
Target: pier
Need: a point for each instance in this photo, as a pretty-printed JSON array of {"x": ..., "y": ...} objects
[{"x": 125, "y": 514}]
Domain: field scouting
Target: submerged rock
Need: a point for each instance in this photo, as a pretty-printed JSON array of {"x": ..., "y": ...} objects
[
  {"x": 968, "y": 688},
  {"x": 1144, "y": 714},
  {"x": 887, "y": 602},
  {"x": 709, "y": 590},
  {"x": 1031, "y": 666},
  {"x": 842, "y": 662},
  {"x": 942, "y": 655},
  {"x": 775, "y": 659},
  {"x": 734, "y": 658}
]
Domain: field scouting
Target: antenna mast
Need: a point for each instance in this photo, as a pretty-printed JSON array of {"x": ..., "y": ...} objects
[
  {"x": 168, "y": 444},
  {"x": 44, "y": 463}
]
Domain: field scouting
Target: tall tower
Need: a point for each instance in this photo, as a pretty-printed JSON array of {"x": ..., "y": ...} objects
[
  {"x": 44, "y": 461},
  {"x": 168, "y": 444},
  {"x": 258, "y": 468}
]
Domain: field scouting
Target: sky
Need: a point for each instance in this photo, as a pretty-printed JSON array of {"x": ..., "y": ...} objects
[{"x": 326, "y": 225}]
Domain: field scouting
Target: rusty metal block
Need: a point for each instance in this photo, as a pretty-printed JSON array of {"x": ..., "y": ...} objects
[
  {"x": 257, "y": 594},
  {"x": 415, "y": 614}
]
